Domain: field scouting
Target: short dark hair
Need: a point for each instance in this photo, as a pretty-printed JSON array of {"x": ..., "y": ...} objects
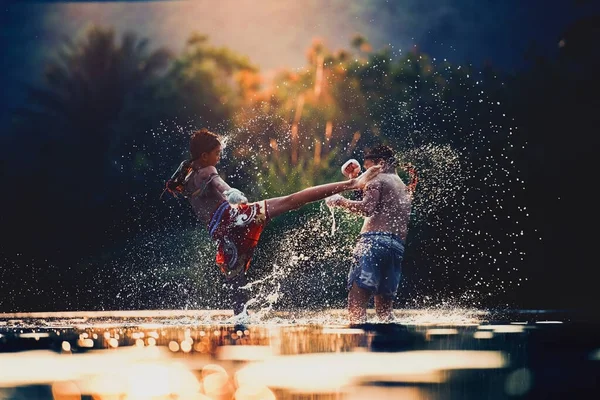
[
  {"x": 203, "y": 141},
  {"x": 382, "y": 152}
]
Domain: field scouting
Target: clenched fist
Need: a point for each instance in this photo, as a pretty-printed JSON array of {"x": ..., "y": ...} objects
[{"x": 351, "y": 168}]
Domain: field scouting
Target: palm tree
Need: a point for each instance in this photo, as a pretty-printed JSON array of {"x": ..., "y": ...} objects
[
  {"x": 72, "y": 144},
  {"x": 97, "y": 95}
]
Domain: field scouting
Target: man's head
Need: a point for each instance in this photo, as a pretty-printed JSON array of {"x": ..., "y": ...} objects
[
  {"x": 381, "y": 154},
  {"x": 205, "y": 147}
]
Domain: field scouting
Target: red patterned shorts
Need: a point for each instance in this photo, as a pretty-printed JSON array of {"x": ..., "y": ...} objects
[{"x": 237, "y": 228}]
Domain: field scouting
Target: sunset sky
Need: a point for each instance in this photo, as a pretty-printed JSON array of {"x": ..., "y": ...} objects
[{"x": 275, "y": 34}]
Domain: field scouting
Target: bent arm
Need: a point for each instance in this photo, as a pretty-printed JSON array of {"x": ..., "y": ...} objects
[
  {"x": 220, "y": 184},
  {"x": 217, "y": 181},
  {"x": 367, "y": 205}
]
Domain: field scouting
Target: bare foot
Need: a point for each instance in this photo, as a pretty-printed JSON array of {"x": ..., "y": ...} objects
[{"x": 369, "y": 174}]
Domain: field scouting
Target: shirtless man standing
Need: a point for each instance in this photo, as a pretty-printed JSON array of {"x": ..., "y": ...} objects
[{"x": 378, "y": 254}]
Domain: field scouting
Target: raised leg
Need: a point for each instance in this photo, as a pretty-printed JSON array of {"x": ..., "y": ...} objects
[{"x": 280, "y": 205}]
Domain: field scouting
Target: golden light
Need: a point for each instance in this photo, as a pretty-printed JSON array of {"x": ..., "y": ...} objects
[
  {"x": 483, "y": 335},
  {"x": 104, "y": 386},
  {"x": 86, "y": 343},
  {"x": 217, "y": 385},
  {"x": 503, "y": 328},
  {"x": 254, "y": 393},
  {"x": 343, "y": 331},
  {"x": 123, "y": 373},
  {"x": 34, "y": 335},
  {"x": 146, "y": 381},
  {"x": 173, "y": 346},
  {"x": 243, "y": 353},
  {"x": 209, "y": 369},
  {"x": 328, "y": 372},
  {"x": 440, "y": 332},
  {"x": 65, "y": 391},
  {"x": 200, "y": 347},
  {"x": 186, "y": 346}
]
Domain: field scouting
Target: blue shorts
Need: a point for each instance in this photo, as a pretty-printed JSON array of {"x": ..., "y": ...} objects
[{"x": 377, "y": 263}]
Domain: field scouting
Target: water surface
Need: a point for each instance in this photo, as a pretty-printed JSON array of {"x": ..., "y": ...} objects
[{"x": 206, "y": 354}]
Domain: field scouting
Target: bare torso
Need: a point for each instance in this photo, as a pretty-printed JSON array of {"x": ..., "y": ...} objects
[
  {"x": 210, "y": 196},
  {"x": 392, "y": 212}
]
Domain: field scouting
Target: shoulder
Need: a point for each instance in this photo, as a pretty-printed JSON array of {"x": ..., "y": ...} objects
[
  {"x": 375, "y": 184},
  {"x": 204, "y": 173},
  {"x": 383, "y": 181},
  {"x": 394, "y": 180}
]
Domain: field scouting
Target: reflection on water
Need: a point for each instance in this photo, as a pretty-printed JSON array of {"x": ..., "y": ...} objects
[{"x": 439, "y": 354}]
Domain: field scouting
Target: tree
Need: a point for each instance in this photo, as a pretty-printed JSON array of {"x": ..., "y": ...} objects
[{"x": 97, "y": 95}]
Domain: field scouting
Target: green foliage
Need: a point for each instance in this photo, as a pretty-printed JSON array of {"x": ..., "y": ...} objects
[
  {"x": 204, "y": 81},
  {"x": 279, "y": 177}
]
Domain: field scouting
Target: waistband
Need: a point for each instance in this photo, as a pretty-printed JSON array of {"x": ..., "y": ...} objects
[
  {"x": 216, "y": 217},
  {"x": 388, "y": 234}
]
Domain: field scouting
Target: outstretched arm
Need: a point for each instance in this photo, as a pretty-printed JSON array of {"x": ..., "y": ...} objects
[{"x": 365, "y": 207}]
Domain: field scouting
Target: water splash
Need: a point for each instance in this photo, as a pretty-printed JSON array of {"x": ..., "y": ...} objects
[
  {"x": 447, "y": 235},
  {"x": 333, "y": 226}
]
